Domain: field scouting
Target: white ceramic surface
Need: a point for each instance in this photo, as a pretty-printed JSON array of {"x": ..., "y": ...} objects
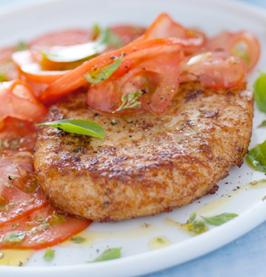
[{"x": 135, "y": 236}]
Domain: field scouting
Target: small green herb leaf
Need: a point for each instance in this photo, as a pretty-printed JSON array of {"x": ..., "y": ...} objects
[
  {"x": 21, "y": 45},
  {"x": 219, "y": 219},
  {"x": 3, "y": 77},
  {"x": 109, "y": 254},
  {"x": 256, "y": 157},
  {"x": 263, "y": 124},
  {"x": 78, "y": 239},
  {"x": 109, "y": 38},
  {"x": 195, "y": 226},
  {"x": 15, "y": 237},
  {"x": 130, "y": 101},
  {"x": 103, "y": 73},
  {"x": 77, "y": 126},
  {"x": 49, "y": 255},
  {"x": 260, "y": 92}
]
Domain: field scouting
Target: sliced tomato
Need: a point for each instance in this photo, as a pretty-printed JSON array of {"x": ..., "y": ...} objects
[
  {"x": 17, "y": 135},
  {"x": 42, "y": 228},
  {"x": 61, "y": 38},
  {"x": 127, "y": 33},
  {"x": 19, "y": 194},
  {"x": 18, "y": 101},
  {"x": 241, "y": 44},
  {"x": 216, "y": 70},
  {"x": 164, "y": 27},
  {"x": 153, "y": 71},
  {"x": 75, "y": 78},
  {"x": 7, "y": 68}
]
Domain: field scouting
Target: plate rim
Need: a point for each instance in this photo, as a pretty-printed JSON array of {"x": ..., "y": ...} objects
[{"x": 149, "y": 262}]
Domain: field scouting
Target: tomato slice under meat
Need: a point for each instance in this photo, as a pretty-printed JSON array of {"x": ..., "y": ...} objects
[
  {"x": 42, "y": 228},
  {"x": 18, "y": 101},
  {"x": 19, "y": 194}
]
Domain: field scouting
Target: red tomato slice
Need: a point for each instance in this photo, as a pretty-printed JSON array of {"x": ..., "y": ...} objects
[
  {"x": 153, "y": 70},
  {"x": 75, "y": 78},
  {"x": 241, "y": 44},
  {"x": 17, "y": 135},
  {"x": 42, "y": 228},
  {"x": 127, "y": 33},
  {"x": 18, "y": 101},
  {"x": 164, "y": 27},
  {"x": 7, "y": 68},
  {"x": 19, "y": 195},
  {"x": 61, "y": 38},
  {"x": 216, "y": 70}
]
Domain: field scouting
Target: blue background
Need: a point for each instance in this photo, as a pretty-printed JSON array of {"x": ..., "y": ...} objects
[{"x": 244, "y": 257}]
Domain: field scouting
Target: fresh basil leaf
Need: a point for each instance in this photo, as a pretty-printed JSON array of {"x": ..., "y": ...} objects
[
  {"x": 220, "y": 219},
  {"x": 104, "y": 73},
  {"x": 130, "y": 101},
  {"x": 256, "y": 157},
  {"x": 195, "y": 226},
  {"x": 21, "y": 45},
  {"x": 78, "y": 239},
  {"x": 77, "y": 126},
  {"x": 15, "y": 237},
  {"x": 49, "y": 255},
  {"x": 263, "y": 124},
  {"x": 109, "y": 38},
  {"x": 109, "y": 254},
  {"x": 260, "y": 92},
  {"x": 3, "y": 77}
]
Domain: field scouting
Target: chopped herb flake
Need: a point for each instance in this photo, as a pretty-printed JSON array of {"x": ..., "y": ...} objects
[
  {"x": 219, "y": 219},
  {"x": 130, "y": 101},
  {"x": 104, "y": 73},
  {"x": 109, "y": 254},
  {"x": 78, "y": 239},
  {"x": 21, "y": 45},
  {"x": 14, "y": 237},
  {"x": 195, "y": 226},
  {"x": 49, "y": 255},
  {"x": 3, "y": 77}
]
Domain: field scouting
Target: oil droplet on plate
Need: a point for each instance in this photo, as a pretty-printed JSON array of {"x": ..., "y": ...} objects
[
  {"x": 159, "y": 242},
  {"x": 257, "y": 184},
  {"x": 15, "y": 257}
]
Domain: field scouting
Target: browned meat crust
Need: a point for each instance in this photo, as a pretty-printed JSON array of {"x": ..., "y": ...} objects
[{"x": 146, "y": 164}]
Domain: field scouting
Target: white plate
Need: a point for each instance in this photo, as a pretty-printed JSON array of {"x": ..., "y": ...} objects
[{"x": 135, "y": 236}]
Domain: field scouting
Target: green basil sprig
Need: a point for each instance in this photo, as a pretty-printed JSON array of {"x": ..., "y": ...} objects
[{"x": 256, "y": 157}]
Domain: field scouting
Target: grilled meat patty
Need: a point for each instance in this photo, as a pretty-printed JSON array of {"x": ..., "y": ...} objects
[{"x": 147, "y": 164}]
